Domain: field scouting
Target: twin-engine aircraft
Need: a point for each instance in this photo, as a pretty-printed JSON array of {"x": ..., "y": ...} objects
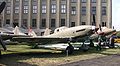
[
  {"x": 62, "y": 34},
  {"x": 66, "y": 35}
]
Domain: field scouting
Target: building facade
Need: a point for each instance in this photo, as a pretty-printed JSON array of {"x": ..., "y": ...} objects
[{"x": 41, "y": 14}]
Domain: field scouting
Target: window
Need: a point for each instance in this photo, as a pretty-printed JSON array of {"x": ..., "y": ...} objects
[
  {"x": 43, "y": 25},
  {"x": 83, "y": 10},
  {"x": 24, "y": 23},
  {"x": 73, "y": 1},
  {"x": 73, "y": 10},
  {"x": 15, "y": 23},
  {"x": 104, "y": 10},
  {"x": 7, "y": 21},
  {"x": 8, "y": 0},
  {"x": 93, "y": 1},
  {"x": 83, "y": 1},
  {"x": 63, "y": 0},
  {"x": 53, "y": 23},
  {"x": 93, "y": 10},
  {"x": 104, "y": 1},
  {"x": 44, "y": 9},
  {"x": 34, "y": 9},
  {"x": 26, "y": 9},
  {"x": 26, "y": 0},
  {"x": 16, "y": 9},
  {"x": 63, "y": 8},
  {"x": 53, "y": 8},
  {"x": 34, "y": 0},
  {"x": 62, "y": 22},
  {"x": 16, "y": 0},
  {"x": 103, "y": 24},
  {"x": 83, "y": 23},
  {"x": 8, "y": 9},
  {"x": 72, "y": 24},
  {"x": 34, "y": 23}
]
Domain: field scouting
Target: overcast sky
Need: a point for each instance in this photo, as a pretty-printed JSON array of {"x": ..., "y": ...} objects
[{"x": 116, "y": 14}]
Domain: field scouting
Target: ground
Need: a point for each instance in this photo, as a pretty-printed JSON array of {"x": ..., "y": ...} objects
[
  {"x": 112, "y": 60},
  {"x": 23, "y": 55}
]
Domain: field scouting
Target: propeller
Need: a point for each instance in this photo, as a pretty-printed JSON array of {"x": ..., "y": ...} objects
[
  {"x": 94, "y": 21},
  {"x": 94, "y": 24},
  {"x": 100, "y": 33},
  {"x": 96, "y": 29},
  {"x": 2, "y": 43},
  {"x": 100, "y": 28},
  {"x": 113, "y": 27},
  {"x": 2, "y": 6}
]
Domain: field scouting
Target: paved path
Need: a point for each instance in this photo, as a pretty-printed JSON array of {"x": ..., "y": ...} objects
[{"x": 113, "y": 60}]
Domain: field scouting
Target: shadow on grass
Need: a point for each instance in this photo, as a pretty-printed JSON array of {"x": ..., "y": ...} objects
[{"x": 13, "y": 59}]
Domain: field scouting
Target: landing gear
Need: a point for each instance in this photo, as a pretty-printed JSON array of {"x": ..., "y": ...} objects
[
  {"x": 69, "y": 49},
  {"x": 84, "y": 47}
]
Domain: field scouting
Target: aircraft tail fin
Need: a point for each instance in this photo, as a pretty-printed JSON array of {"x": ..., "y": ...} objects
[
  {"x": 31, "y": 32},
  {"x": 47, "y": 32},
  {"x": 17, "y": 31}
]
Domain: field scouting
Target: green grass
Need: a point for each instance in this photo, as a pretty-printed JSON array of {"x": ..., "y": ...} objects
[{"x": 23, "y": 55}]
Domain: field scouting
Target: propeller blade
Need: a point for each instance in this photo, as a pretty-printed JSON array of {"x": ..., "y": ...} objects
[
  {"x": 2, "y": 43},
  {"x": 100, "y": 27},
  {"x": 2, "y": 6},
  {"x": 113, "y": 27},
  {"x": 94, "y": 21}
]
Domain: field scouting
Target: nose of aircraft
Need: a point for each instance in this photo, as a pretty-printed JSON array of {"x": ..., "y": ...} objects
[{"x": 96, "y": 29}]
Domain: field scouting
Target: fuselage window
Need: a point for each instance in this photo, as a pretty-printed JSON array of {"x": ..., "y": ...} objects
[{"x": 80, "y": 30}]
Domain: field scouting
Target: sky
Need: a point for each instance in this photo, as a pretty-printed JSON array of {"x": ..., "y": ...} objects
[{"x": 116, "y": 14}]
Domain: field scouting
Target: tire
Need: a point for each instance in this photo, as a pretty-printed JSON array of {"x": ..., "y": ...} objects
[
  {"x": 70, "y": 49},
  {"x": 84, "y": 48}
]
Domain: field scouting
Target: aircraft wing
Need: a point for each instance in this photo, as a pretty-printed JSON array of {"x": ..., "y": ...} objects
[
  {"x": 10, "y": 36},
  {"x": 41, "y": 40}
]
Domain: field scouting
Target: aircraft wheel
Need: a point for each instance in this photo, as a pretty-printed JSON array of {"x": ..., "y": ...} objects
[
  {"x": 70, "y": 49},
  {"x": 84, "y": 48}
]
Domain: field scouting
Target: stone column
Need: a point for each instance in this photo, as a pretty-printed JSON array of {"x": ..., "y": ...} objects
[
  {"x": 38, "y": 14},
  {"x": 78, "y": 12},
  {"x": 109, "y": 13},
  {"x": 20, "y": 12},
  {"x": 68, "y": 13},
  {"x": 12, "y": 12},
  {"x": 30, "y": 13},
  {"x": 58, "y": 14},
  {"x": 98, "y": 13},
  {"x": 88, "y": 12},
  {"x": 48, "y": 13}
]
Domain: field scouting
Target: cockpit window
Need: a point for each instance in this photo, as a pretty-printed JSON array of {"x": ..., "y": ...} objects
[{"x": 80, "y": 30}]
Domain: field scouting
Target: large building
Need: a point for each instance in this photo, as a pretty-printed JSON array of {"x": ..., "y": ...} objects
[{"x": 41, "y": 14}]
